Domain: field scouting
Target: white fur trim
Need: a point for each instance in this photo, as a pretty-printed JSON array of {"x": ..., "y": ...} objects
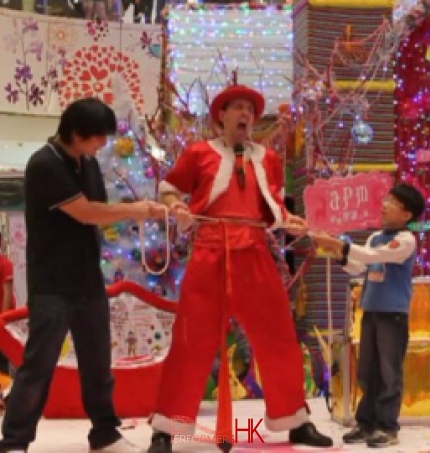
[
  {"x": 173, "y": 426},
  {"x": 225, "y": 170},
  {"x": 282, "y": 193},
  {"x": 288, "y": 422},
  {"x": 166, "y": 187},
  {"x": 257, "y": 156}
]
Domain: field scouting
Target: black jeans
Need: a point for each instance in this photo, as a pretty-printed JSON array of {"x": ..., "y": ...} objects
[
  {"x": 50, "y": 318},
  {"x": 383, "y": 345}
]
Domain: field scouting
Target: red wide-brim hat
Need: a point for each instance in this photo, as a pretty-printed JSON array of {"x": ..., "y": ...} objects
[{"x": 237, "y": 92}]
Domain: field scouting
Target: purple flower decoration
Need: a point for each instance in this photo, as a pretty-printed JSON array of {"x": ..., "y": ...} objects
[
  {"x": 145, "y": 40},
  {"x": 52, "y": 74},
  {"x": 36, "y": 95},
  {"x": 12, "y": 94},
  {"x": 23, "y": 73},
  {"x": 36, "y": 47},
  {"x": 29, "y": 25}
]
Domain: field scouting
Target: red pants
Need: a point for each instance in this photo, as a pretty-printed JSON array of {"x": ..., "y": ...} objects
[{"x": 260, "y": 303}]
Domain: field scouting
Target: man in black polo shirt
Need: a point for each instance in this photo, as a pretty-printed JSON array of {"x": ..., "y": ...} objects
[{"x": 65, "y": 202}]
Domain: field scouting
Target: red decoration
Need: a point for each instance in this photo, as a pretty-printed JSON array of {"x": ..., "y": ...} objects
[
  {"x": 89, "y": 73},
  {"x": 129, "y": 400},
  {"x": 412, "y": 128}
]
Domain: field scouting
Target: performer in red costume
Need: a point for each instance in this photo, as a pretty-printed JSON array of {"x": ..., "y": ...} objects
[{"x": 236, "y": 190}]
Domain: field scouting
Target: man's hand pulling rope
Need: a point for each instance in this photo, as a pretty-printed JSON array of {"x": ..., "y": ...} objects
[{"x": 295, "y": 225}]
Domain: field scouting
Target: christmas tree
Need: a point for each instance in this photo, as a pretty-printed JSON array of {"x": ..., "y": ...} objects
[{"x": 131, "y": 172}]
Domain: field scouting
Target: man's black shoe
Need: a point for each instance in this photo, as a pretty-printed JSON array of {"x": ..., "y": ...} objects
[
  {"x": 307, "y": 434},
  {"x": 161, "y": 443}
]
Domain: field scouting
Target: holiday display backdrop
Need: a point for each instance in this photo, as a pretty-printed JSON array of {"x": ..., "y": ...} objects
[
  {"x": 343, "y": 104},
  {"x": 344, "y": 101},
  {"x": 48, "y": 62},
  {"x": 131, "y": 166},
  {"x": 132, "y": 169},
  {"x": 412, "y": 126}
]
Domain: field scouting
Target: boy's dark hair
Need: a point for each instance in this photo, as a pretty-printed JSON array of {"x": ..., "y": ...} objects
[
  {"x": 411, "y": 199},
  {"x": 86, "y": 118}
]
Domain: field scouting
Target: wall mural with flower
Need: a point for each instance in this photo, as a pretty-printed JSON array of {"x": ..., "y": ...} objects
[{"x": 48, "y": 62}]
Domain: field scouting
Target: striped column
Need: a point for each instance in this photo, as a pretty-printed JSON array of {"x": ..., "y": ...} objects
[{"x": 317, "y": 24}]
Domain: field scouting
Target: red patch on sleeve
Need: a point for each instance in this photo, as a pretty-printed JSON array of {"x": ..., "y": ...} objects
[{"x": 394, "y": 244}]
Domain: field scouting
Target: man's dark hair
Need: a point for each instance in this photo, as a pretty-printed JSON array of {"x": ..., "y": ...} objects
[
  {"x": 86, "y": 118},
  {"x": 411, "y": 199}
]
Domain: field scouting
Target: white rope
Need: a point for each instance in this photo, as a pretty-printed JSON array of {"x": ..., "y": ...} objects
[{"x": 142, "y": 247}]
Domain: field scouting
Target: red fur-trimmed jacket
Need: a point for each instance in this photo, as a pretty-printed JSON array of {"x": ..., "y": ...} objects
[{"x": 204, "y": 171}]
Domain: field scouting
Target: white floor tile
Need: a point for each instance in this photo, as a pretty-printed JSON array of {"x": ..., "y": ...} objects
[{"x": 69, "y": 436}]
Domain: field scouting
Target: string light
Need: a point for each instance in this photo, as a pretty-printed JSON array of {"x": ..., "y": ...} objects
[
  {"x": 412, "y": 127},
  {"x": 208, "y": 44}
]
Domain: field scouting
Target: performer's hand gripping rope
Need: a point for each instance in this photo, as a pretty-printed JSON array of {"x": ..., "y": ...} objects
[{"x": 142, "y": 247}]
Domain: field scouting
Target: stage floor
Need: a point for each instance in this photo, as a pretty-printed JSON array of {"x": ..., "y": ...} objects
[{"x": 69, "y": 436}]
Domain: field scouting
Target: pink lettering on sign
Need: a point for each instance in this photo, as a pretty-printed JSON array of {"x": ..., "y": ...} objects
[{"x": 351, "y": 203}]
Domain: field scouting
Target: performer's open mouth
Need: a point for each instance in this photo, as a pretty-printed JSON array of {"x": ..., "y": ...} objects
[{"x": 242, "y": 125}]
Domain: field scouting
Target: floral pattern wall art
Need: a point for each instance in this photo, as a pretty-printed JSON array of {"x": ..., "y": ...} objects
[{"x": 47, "y": 62}]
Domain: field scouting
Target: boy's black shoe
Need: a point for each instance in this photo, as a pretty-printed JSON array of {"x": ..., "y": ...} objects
[
  {"x": 357, "y": 435},
  {"x": 161, "y": 443},
  {"x": 307, "y": 434},
  {"x": 381, "y": 439}
]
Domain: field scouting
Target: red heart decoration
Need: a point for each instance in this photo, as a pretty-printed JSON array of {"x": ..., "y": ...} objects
[
  {"x": 85, "y": 76},
  {"x": 108, "y": 98},
  {"x": 99, "y": 74}
]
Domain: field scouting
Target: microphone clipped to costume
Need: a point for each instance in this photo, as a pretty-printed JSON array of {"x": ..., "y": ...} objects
[{"x": 239, "y": 151}]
